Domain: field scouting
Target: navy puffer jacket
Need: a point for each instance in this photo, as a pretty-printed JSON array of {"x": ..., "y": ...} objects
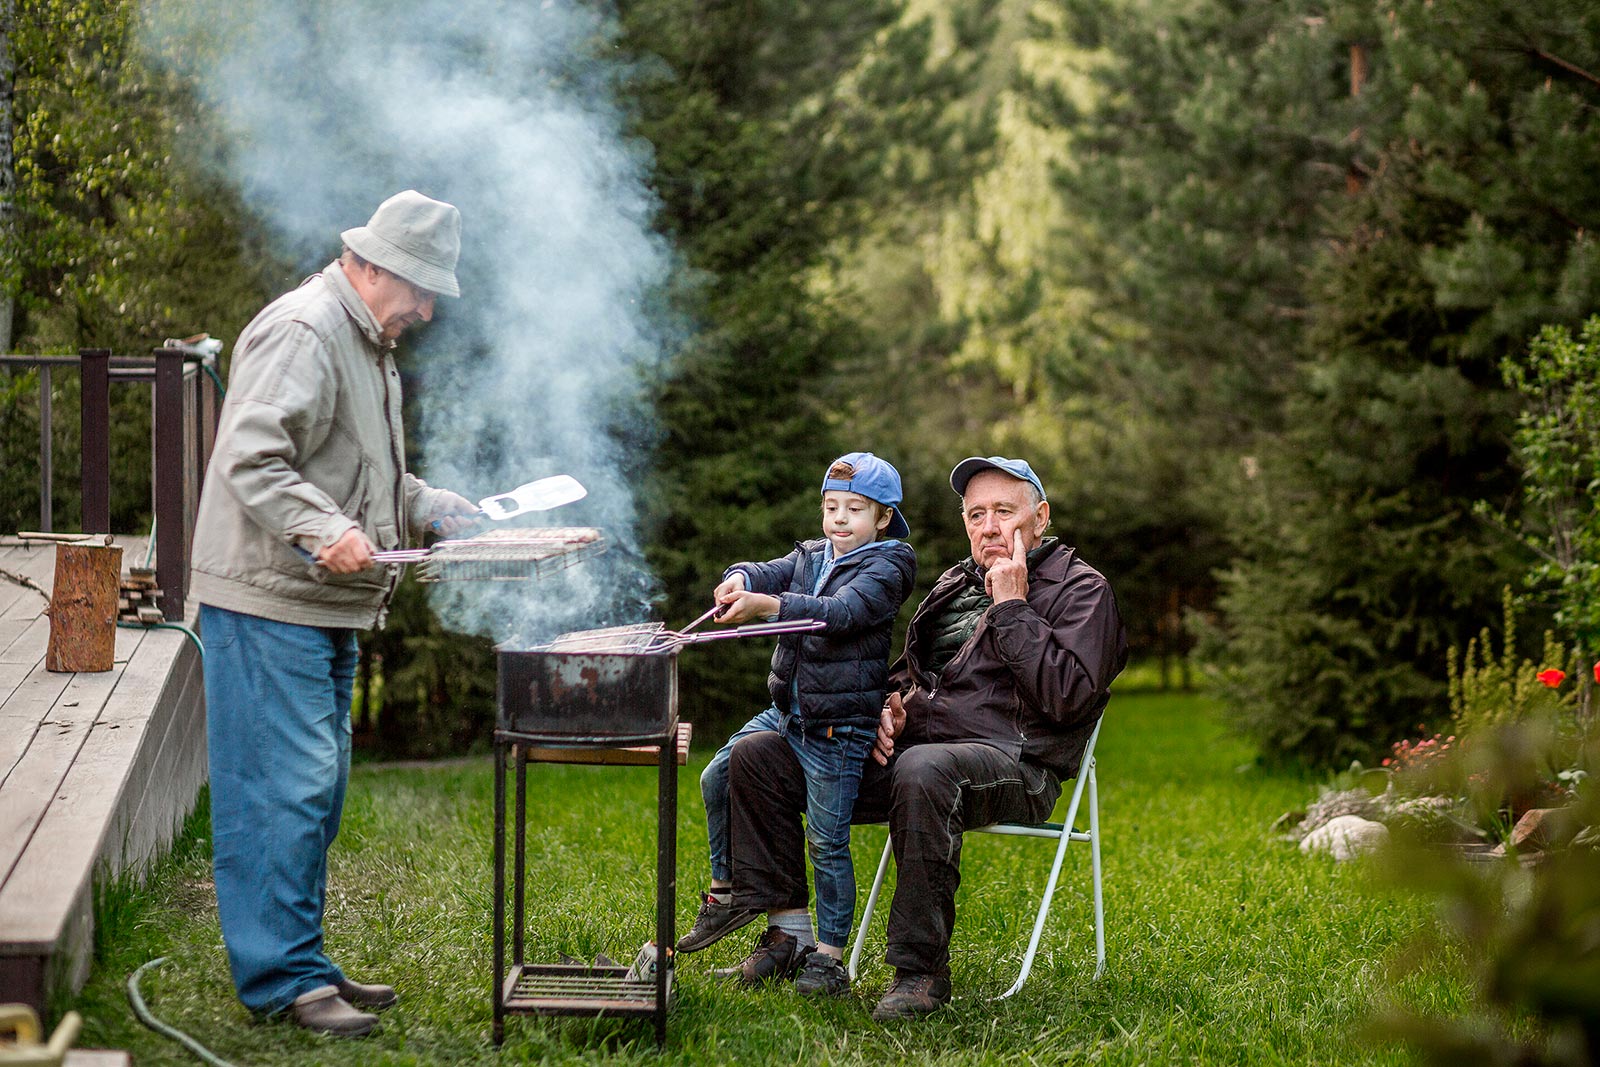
[{"x": 844, "y": 669}]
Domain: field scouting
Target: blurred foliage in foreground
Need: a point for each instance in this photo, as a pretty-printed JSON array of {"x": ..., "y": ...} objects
[{"x": 1528, "y": 924}]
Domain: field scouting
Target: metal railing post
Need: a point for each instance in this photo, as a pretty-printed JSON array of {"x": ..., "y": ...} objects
[
  {"x": 47, "y": 473},
  {"x": 171, "y": 481},
  {"x": 95, "y": 411},
  {"x": 207, "y": 411}
]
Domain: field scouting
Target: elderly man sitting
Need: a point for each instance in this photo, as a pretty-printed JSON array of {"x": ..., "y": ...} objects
[{"x": 1006, "y": 671}]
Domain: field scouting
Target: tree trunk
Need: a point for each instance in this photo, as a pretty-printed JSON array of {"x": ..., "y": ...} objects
[{"x": 83, "y": 608}]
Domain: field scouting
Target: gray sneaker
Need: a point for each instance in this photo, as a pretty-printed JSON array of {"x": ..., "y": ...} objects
[
  {"x": 713, "y": 923},
  {"x": 822, "y": 976}
]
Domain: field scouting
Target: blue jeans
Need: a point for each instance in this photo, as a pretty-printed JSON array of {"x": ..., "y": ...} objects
[
  {"x": 832, "y": 766},
  {"x": 278, "y": 739}
]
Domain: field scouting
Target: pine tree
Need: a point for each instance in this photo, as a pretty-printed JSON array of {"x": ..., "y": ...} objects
[
  {"x": 1363, "y": 564},
  {"x": 777, "y": 129}
]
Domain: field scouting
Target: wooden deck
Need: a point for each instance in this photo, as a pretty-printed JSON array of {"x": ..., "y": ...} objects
[{"x": 97, "y": 773}]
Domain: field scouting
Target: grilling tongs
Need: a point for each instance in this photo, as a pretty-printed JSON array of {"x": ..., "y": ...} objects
[{"x": 675, "y": 638}]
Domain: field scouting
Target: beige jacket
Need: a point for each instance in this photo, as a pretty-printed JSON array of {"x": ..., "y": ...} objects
[{"x": 310, "y": 446}]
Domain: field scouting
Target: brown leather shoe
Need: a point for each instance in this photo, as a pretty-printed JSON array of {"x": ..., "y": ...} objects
[
  {"x": 370, "y": 997},
  {"x": 913, "y": 996},
  {"x": 777, "y": 956},
  {"x": 324, "y": 1011}
]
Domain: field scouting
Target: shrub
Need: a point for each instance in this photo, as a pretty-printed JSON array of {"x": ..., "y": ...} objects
[
  {"x": 1557, "y": 445},
  {"x": 1486, "y": 690},
  {"x": 1525, "y": 931}
]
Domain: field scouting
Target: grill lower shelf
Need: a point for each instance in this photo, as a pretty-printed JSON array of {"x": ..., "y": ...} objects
[{"x": 558, "y": 989}]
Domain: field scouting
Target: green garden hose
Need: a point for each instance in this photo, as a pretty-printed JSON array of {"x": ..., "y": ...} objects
[
  {"x": 190, "y": 634},
  {"x": 162, "y": 1028}
]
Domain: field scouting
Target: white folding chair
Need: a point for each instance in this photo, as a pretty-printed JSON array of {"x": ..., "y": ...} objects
[{"x": 1060, "y": 832}]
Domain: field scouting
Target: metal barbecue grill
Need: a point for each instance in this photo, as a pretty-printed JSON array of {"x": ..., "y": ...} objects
[
  {"x": 613, "y": 686},
  {"x": 501, "y": 555},
  {"x": 594, "y": 696}
]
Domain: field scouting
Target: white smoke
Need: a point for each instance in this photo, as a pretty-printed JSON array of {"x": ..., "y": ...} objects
[{"x": 510, "y": 112}]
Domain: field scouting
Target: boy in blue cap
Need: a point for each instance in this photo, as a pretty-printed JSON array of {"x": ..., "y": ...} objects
[{"x": 827, "y": 691}]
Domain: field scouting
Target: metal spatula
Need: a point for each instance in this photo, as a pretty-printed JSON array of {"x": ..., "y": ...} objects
[{"x": 541, "y": 495}]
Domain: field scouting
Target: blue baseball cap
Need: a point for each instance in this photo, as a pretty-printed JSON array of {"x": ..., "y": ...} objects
[
  {"x": 877, "y": 480},
  {"x": 1017, "y": 468}
]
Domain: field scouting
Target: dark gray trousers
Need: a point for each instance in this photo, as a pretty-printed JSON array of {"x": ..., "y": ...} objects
[{"x": 929, "y": 794}]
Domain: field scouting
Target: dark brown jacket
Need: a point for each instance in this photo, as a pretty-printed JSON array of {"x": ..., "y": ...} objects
[{"x": 1033, "y": 678}]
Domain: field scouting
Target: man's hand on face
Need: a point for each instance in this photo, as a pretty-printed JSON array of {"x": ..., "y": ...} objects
[
  {"x": 890, "y": 722},
  {"x": 1007, "y": 576},
  {"x": 351, "y": 553}
]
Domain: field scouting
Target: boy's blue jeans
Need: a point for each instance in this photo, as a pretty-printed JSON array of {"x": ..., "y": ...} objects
[
  {"x": 832, "y": 767},
  {"x": 278, "y": 738}
]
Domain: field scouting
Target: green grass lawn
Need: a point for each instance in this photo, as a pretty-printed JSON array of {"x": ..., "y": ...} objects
[{"x": 1224, "y": 945}]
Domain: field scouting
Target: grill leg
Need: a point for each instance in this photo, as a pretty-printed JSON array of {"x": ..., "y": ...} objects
[
  {"x": 519, "y": 883},
  {"x": 666, "y": 875},
  {"x": 496, "y": 994}
]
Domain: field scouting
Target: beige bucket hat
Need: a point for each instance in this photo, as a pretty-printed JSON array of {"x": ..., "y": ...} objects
[{"x": 413, "y": 236}]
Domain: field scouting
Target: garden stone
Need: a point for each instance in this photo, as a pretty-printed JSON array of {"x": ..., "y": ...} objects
[
  {"x": 1346, "y": 837},
  {"x": 1433, "y": 818},
  {"x": 1335, "y": 804},
  {"x": 1542, "y": 828}
]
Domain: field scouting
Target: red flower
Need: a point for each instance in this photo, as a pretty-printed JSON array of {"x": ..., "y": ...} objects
[
  {"x": 1553, "y": 677},
  {"x": 1597, "y": 672}
]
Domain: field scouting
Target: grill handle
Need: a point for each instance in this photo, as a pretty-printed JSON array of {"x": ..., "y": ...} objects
[{"x": 759, "y": 629}]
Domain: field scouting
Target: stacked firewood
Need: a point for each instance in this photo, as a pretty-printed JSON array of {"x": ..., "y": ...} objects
[{"x": 137, "y": 599}]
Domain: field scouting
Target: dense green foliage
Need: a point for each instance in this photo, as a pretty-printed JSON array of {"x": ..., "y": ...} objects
[
  {"x": 762, "y": 154},
  {"x": 871, "y": 288},
  {"x": 1534, "y": 971},
  {"x": 1557, "y": 446},
  {"x": 115, "y": 238},
  {"x": 1222, "y": 947},
  {"x": 1237, "y": 277},
  {"x": 1448, "y": 223}
]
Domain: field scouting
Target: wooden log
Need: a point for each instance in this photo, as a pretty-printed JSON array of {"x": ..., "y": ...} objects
[
  {"x": 83, "y": 608},
  {"x": 65, "y": 538},
  {"x": 140, "y": 577}
]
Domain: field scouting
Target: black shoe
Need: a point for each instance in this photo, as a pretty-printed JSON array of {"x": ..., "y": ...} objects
[
  {"x": 912, "y": 996},
  {"x": 822, "y": 975},
  {"x": 714, "y": 922},
  {"x": 777, "y": 956}
]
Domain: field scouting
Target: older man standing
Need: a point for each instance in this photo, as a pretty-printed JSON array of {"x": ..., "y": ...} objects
[
  {"x": 1006, "y": 671},
  {"x": 306, "y": 481}
]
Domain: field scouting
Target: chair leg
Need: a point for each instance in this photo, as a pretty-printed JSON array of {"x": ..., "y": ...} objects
[
  {"x": 1044, "y": 912},
  {"x": 872, "y": 902},
  {"x": 1099, "y": 898}
]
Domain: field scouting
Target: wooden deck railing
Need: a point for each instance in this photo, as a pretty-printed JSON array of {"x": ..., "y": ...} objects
[{"x": 184, "y": 422}]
